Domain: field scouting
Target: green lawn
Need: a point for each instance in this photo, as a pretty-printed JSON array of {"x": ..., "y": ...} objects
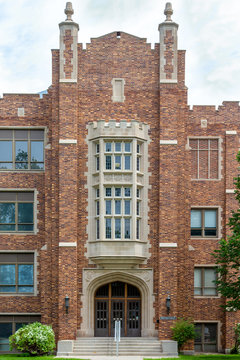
[{"x": 203, "y": 357}]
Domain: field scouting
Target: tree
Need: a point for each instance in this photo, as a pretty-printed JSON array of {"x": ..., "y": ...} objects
[{"x": 227, "y": 257}]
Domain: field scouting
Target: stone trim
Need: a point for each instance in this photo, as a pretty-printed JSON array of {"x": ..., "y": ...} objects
[
  {"x": 168, "y": 142},
  {"x": 231, "y": 132},
  {"x": 67, "y": 244},
  {"x": 68, "y": 80},
  {"x": 167, "y": 245},
  {"x": 230, "y": 191},
  {"x": 67, "y": 141},
  {"x": 94, "y": 278}
]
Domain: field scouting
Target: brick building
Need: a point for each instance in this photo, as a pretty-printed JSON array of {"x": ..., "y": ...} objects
[{"x": 114, "y": 194}]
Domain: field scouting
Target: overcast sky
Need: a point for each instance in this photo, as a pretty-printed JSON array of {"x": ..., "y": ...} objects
[{"x": 208, "y": 29}]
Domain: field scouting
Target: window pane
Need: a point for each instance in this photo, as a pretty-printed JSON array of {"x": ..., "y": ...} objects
[
  {"x": 198, "y": 330},
  {"x": 197, "y": 277},
  {"x": 210, "y": 333},
  {"x": 97, "y": 208},
  {"x": 108, "y": 207},
  {"x": 7, "y": 213},
  {"x": 127, "y": 146},
  {"x": 118, "y": 228},
  {"x": 210, "y": 218},
  {"x": 210, "y": 291},
  {"x": 21, "y": 134},
  {"x": 118, "y": 146},
  {"x": 108, "y": 229},
  {"x": 21, "y": 149},
  {"x": 118, "y": 161},
  {"x": 25, "y": 213},
  {"x": 127, "y": 207},
  {"x": 127, "y": 229},
  {"x": 25, "y": 227},
  {"x": 19, "y": 325},
  {"x": 138, "y": 228},
  {"x": 138, "y": 148},
  {"x": 209, "y": 277},
  {"x": 108, "y": 147},
  {"x": 97, "y": 193},
  {"x": 138, "y": 193},
  {"x": 25, "y": 289},
  {"x": 5, "y": 332},
  {"x": 97, "y": 148},
  {"x": 37, "y": 151},
  {"x": 5, "y": 150},
  {"x": 97, "y": 163},
  {"x": 127, "y": 162},
  {"x": 36, "y": 166},
  {"x": 108, "y": 162},
  {"x": 117, "y": 207},
  {"x": 108, "y": 191},
  {"x": 7, "y": 227},
  {"x": 127, "y": 192},
  {"x": 6, "y": 134},
  {"x": 37, "y": 134},
  {"x": 117, "y": 191},
  {"x": 98, "y": 233},
  {"x": 196, "y": 218},
  {"x": 7, "y": 274},
  {"x": 138, "y": 208},
  {"x": 138, "y": 164},
  {"x": 8, "y": 289},
  {"x": 6, "y": 165},
  {"x": 25, "y": 274}
]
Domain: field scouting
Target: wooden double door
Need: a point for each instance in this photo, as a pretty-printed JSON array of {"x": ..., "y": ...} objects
[{"x": 117, "y": 301}]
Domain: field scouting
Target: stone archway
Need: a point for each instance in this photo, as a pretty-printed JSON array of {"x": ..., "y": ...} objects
[{"x": 94, "y": 278}]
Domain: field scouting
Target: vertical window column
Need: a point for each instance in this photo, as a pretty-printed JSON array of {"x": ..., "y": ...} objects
[
  {"x": 101, "y": 190},
  {"x": 134, "y": 189}
]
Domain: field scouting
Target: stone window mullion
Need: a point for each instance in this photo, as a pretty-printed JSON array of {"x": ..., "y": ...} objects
[
  {"x": 134, "y": 189},
  {"x": 101, "y": 190}
]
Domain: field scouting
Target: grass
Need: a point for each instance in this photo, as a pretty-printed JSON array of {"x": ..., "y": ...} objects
[
  {"x": 203, "y": 357},
  {"x": 27, "y": 357}
]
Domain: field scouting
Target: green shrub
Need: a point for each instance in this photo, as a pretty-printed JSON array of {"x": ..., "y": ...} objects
[
  {"x": 236, "y": 348},
  {"x": 35, "y": 339},
  {"x": 183, "y": 330}
]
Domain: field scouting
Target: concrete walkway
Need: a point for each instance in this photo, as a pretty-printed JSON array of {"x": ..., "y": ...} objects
[{"x": 129, "y": 357}]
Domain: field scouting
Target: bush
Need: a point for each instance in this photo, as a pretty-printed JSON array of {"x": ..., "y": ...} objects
[
  {"x": 183, "y": 330},
  {"x": 35, "y": 339},
  {"x": 236, "y": 348}
]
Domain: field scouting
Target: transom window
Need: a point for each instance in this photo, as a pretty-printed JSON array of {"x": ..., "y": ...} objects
[
  {"x": 204, "y": 222},
  {"x": 16, "y": 273},
  {"x": 21, "y": 149},
  {"x": 16, "y": 211},
  {"x": 204, "y": 281}
]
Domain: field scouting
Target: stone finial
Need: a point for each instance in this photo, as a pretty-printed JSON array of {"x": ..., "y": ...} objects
[
  {"x": 168, "y": 11},
  {"x": 69, "y": 11}
]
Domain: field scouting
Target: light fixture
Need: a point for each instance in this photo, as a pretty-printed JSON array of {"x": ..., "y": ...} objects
[
  {"x": 66, "y": 303},
  {"x": 168, "y": 304}
]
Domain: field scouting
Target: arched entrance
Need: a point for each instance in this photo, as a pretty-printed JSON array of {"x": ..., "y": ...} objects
[{"x": 117, "y": 300}]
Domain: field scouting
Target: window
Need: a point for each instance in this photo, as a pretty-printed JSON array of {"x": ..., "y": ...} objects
[
  {"x": 206, "y": 339},
  {"x": 204, "y": 158},
  {"x": 9, "y": 324},
  {"x": 118, "y": 155},
  {"x": 16, "y": 273},
  {"x": 16, "y": 211},
  {"x": 204, "y": 281},
  {"x": 204, "y": 222},
  {"x": 118, "y": 212},
  {"x": 21, "y": 149}
]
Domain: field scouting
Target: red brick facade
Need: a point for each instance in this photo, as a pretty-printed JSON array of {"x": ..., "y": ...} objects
[{"x": 62, "y": 188}]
